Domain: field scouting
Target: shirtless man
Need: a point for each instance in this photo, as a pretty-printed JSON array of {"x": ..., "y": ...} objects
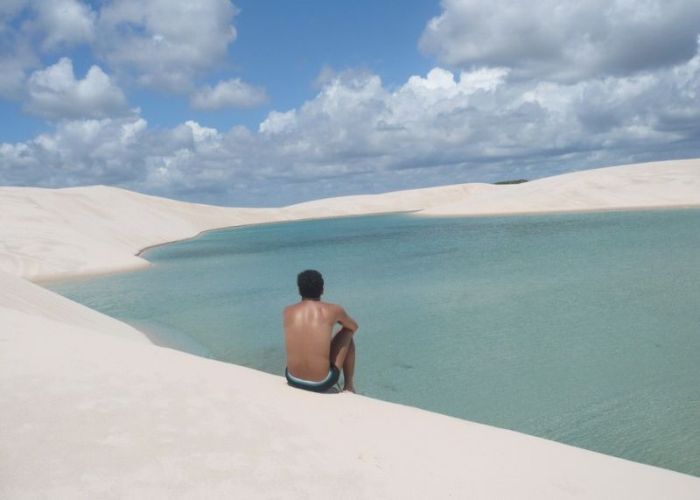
[{"x": 314, "y": 356}]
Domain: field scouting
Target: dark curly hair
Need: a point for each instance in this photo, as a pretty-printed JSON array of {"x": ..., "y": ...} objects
[{"x": 310, "y": 283}]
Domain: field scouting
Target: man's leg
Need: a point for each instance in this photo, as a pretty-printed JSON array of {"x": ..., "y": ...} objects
[
  {"x": 349, "y": 368},
  {"x": 343, "y": 356}
]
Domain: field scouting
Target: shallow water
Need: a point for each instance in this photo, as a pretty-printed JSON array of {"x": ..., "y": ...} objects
[{"x": 582, "y": 328}]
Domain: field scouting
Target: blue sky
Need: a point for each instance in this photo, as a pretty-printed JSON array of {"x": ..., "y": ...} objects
[
  {"x": 264, "y": 103},
  {"x": 282, "y": 46}
]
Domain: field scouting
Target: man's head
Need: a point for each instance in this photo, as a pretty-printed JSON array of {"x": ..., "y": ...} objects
[{"x": 310, "y": 284}]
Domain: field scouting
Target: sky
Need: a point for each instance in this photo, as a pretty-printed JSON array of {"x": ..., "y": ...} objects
[{"x": 268, "y": 103}]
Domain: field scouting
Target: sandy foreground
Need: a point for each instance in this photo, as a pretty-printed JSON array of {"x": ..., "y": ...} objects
[{"x": 90, "y": 409}]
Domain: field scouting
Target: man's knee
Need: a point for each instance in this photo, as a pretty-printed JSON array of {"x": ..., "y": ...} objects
[
  {"x": 343, "y": 337},
  {"x": 342, "y": 343}
]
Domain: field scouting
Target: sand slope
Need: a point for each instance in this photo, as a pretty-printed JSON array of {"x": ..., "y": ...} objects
[
  {"x": 89, "y": 409},
  {"x": 20, "y": 298},
  {"x": 48, "y": 233},
  {"x": 90, "y": 416},
  {"x": 54, "y": 233},
  {"x": 647, "y": 185},
  {"x": 396, "y": 201}
]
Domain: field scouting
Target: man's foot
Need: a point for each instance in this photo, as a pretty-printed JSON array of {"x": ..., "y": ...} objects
[{"x": 349, "y": 388}]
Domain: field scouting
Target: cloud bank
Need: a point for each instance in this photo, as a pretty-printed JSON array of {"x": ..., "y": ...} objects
[
  {"x": 356, "y": 135},
  {"x": 564, "y": 40},
  {"x": 599, "y": 83}
]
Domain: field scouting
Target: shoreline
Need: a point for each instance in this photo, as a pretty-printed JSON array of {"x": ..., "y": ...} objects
[
  {"x": 666, "y": 185},
  {"x": 142, "y": 415},
  {"x": 648, "y": 208},
  {"x": 63, "y": 278},
  {"x": 138, "y": 267},
  {"x": 280, "y": 221}
]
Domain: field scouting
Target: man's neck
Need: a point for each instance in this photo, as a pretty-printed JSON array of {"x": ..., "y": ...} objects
[{"x": 305, "y": 299}]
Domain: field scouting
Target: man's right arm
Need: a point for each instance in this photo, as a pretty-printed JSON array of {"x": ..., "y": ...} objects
[{"x": 346, "y": 321}]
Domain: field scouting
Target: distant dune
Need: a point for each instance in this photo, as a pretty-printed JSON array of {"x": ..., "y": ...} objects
[
  {"x": 647, "y": 185},
  {"x": 53, "y": 233},
  {"x": 90, "y": 409}
]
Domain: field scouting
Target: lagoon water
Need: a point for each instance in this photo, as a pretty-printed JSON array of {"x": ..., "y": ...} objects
[{"x": 581, "y": 328}]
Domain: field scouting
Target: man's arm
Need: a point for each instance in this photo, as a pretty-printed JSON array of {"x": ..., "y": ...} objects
[{"x": 346, "y": 321}]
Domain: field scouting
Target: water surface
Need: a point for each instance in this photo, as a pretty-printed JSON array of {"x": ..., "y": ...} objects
[{"x": 582, "y": 328}]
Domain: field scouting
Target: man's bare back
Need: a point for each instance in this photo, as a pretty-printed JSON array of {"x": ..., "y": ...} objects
[{"x": 308, "y": 333}]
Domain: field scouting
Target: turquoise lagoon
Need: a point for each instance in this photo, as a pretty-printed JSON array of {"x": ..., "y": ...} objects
[{"x": 581, "y": 328}]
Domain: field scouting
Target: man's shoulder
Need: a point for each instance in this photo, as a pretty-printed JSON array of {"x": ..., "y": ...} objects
[
  {"x": 334, "y": 308},
  {"x": 288, "y": 309},
  {"x": 330, "y": 305}
]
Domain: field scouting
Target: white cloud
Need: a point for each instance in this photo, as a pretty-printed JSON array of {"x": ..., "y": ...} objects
[
  {"x": 13, "y": 73},
  {"x": 64, "y": 22},
  {"x": 201, "y": 134},
  {"x": 25, "y": 24},
  {"x": 356, "y": 134},
  {"x": 277, "y": 122},
  {"x": 78, "y": 152},
  {"x": 564, "y": 40},
  {"x": 55, "y": 93},
  {"x": 166, "y": 44},
  {"x": 16, "y": 52},
  {"x": 596, "y": 83},
  {"x": 229, "y": 93}
]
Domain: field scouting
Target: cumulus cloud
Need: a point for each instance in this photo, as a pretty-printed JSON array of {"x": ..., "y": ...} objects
[
  {"x": 161, "y": 44},
  {"x": 166, "y": 44},
  {"x": 357, "y": 134},
  {"x": 55, "y": 93},
  {"x": 78, "y": 152},
  {"x": 564, "y": 40},
  {"x": 13, "y": 68},
  {"x": 64, "y": 22},
  {"x": 186, "y": 159},
  {"x": 16, "y": 52},
  {"x": 229, "y": 93},
  {"x": 599, "y": 83},
  {"x": 55, "y": 24},
  {"x": 27, "y": 26}
]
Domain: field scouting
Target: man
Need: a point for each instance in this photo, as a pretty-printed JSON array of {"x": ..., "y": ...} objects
[{"x": 314, "y": 356}]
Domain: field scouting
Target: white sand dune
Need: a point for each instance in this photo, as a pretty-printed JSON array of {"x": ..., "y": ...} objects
[
  {"x": 54, "y": 233},
  {"x": 90, "y": 416},
  {"x": 32, "y": 301},
  {"x": 648, "y": 185},
  {"x": 397, "y": 201},
  {"x": 50, "y": 233},
  {"x": 90, "y": 409}
]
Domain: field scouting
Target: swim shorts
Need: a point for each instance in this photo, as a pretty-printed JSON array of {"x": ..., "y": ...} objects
[{"x": 320, "y": 386}]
